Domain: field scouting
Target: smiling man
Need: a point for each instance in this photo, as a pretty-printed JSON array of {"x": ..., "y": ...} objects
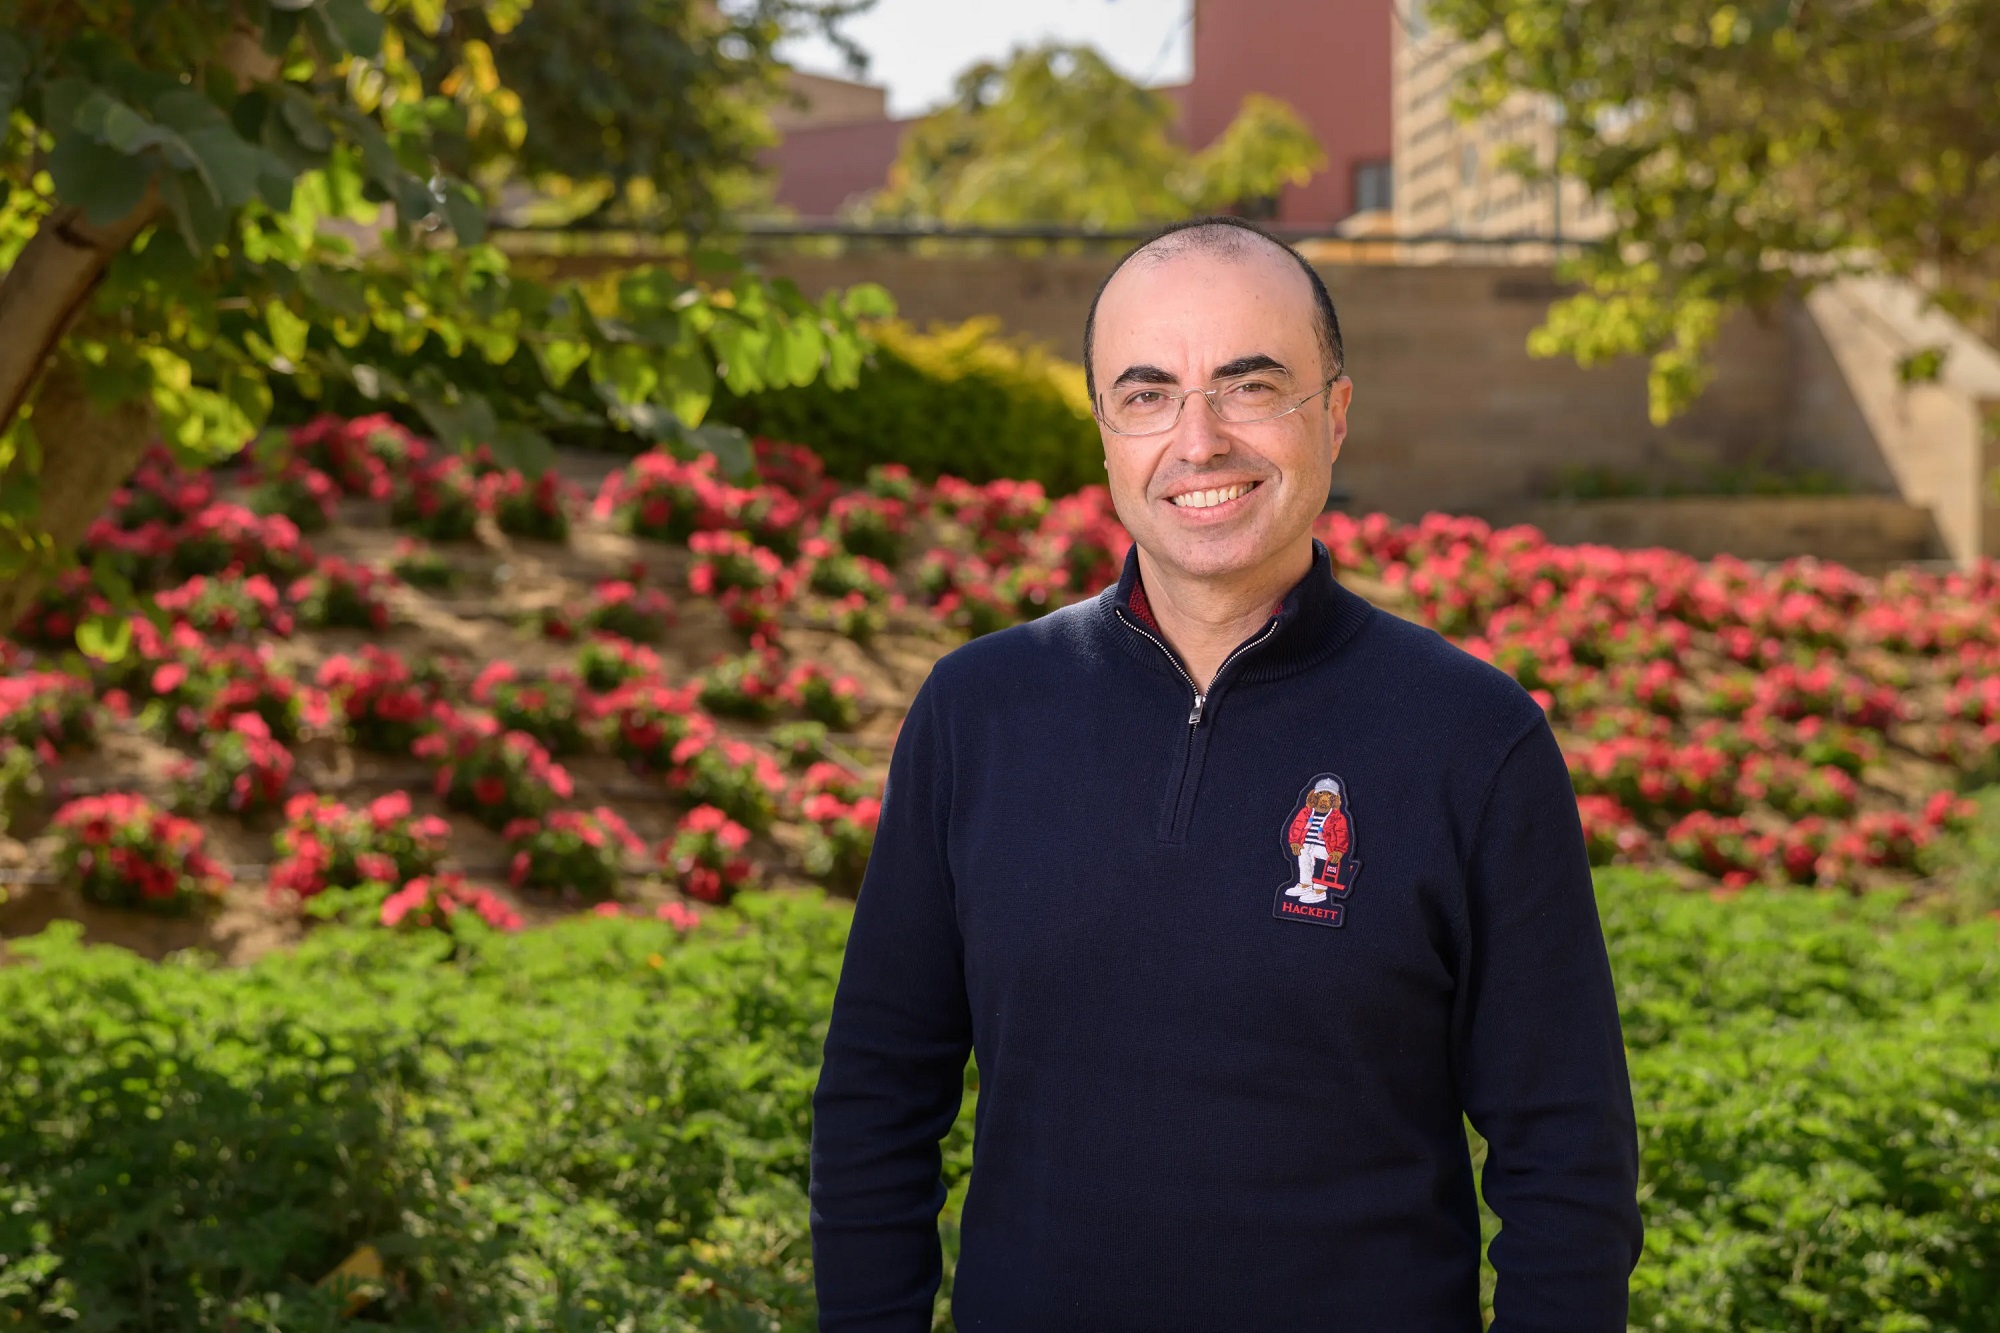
[{"x": 1245, "y": 896}]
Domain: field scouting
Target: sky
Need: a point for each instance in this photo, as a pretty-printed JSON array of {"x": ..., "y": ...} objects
[{"x": 917, "y": 47}]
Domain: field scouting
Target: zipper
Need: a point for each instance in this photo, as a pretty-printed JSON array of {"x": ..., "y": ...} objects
[
  {"x": 1179, "y": 811},
  {"x": 1200, "y": 699}
]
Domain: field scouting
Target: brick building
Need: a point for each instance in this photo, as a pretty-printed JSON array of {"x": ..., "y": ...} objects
[
  {"x": 1330, "y": 59},
  {"x": 1450, "y": 176}
]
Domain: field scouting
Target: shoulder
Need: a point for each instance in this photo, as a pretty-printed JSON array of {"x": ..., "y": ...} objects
[
  {"x": 1415, "y": 662},
  {"x": 1021, "y": 657}
]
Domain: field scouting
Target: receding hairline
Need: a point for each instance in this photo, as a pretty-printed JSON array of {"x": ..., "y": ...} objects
[
  {"x": 1220, "y": 239},
  {"x": 1231, "y": 240}
]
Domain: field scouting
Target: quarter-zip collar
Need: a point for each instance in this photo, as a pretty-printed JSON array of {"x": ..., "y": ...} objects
[{"x": 1312, "y": 621}]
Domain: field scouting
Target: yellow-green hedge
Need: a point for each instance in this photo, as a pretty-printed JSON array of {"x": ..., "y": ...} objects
[{"x": 964, "y": 400}]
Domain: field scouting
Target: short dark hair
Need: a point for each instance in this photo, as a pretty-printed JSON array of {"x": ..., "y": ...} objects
[{"x": 1228, "y": 236}]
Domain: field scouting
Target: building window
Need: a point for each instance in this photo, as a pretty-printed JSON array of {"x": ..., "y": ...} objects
[{"x": 1373, "y": 186}]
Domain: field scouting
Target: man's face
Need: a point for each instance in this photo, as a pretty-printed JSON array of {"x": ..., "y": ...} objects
[{"x": 1189, "y": 321}]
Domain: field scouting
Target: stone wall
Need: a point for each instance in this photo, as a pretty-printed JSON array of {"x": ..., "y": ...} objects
[
  {"x": 1866, "y": 532},
  {"x": 1450, "y": 412}
]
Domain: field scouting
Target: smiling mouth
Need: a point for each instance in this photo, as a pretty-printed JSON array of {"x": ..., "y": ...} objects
[{"x": 1208, "y": 499}]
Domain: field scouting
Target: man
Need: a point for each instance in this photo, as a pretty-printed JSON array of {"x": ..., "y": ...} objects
[{"x": 1203, "y": 1104}]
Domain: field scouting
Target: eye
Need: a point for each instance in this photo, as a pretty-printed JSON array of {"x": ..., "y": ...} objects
[
  {"x": 1144, "y": 398},
  {"x": 1253, "y": 388}
]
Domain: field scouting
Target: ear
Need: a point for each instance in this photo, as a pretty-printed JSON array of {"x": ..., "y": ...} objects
[{"x": 1338, "y": 396}]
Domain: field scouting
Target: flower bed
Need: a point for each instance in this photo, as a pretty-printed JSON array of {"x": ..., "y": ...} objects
[
  {"x": 706, "y": 855},
  {"x": 495, "y": 775},
  {"x": 579, "y": 854},
  {"x": 1796, "y": 723},
  {"x": 325, "y": 844},
  {"x": 123, "y": 851}
]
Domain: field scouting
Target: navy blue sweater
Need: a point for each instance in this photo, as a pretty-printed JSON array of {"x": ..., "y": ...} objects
[{"x": 1224, "y": 1047}]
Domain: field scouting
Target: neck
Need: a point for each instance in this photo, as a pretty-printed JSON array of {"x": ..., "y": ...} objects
[{"x": 1204, "y": 618}]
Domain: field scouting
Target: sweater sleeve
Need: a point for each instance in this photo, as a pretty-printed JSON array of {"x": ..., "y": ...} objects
[
  {"x": 1540, "y": 1059},
  {"x": 894, "y": 1070}
]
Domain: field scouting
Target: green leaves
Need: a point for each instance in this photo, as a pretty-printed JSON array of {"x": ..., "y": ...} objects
[
  {"x": 223, "y": 157},
  {"x": 1058, "y": 135},
  {"x": 1747, "y": 151},
  {"x": 13, "y": 75},
  {"x": 604, "y": 1107},
  {"x": 103, "y": 182},
  {"x": 115, "y": 142},
  {"x": 349, "y": 26},
  {"x": 105, "y": 638}
]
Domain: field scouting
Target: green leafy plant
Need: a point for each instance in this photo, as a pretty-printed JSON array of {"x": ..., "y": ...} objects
[
  {"x": 1813, "y": 1075},
  {"x": 962, "y": 400},
  {"x": 230, "y": 1136}
]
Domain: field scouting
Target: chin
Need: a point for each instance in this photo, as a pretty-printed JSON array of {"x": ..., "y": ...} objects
[{"x": 1204, "y": 555}]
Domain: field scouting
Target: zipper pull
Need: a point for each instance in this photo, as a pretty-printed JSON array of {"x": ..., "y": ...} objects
[{"x": 1194, "y": 716}]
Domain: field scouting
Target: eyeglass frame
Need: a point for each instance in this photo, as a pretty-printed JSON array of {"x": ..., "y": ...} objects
[{"x": 1208, "y": 395}]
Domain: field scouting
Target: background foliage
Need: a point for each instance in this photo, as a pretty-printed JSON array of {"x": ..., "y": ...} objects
[
  {"x": 1058, "y": 135},
  {"x": 205, "y": 204},
  {"x": 1746, "y": 150},
  {"x": 595, "y": 1122},
  {"x": 962, "y": 400}
]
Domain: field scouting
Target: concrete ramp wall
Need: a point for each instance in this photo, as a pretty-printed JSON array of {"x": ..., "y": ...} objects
[{"x": 1936, "y": 444}]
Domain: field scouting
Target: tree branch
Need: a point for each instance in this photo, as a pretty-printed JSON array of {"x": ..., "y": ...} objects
[{"x": 47, "y": 287}]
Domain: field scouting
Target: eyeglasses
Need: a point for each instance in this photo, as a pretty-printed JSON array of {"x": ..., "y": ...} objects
[{"x": 1145, "y": 409}]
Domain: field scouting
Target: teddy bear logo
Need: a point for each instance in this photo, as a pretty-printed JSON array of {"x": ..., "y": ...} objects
[{"x": 1319, "y": 840}]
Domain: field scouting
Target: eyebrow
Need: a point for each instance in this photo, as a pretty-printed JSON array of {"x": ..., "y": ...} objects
[
  {"x": 1242, "y": 365},
  {"x": 1144, "y": 374}
]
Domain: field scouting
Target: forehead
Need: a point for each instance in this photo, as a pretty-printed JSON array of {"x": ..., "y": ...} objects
[{"x": 1197, "y": 307}]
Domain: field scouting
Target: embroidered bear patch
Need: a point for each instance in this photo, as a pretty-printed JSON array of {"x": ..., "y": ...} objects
[{"x": 1318, "y": 840}]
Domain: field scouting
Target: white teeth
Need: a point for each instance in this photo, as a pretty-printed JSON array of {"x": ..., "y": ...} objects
[{"x": 1210, "y": 498}]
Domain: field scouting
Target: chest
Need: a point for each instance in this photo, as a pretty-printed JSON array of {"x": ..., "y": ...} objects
[{"x": 1286, "y": 862}]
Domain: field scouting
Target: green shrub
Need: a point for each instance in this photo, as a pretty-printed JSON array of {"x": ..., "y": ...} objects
[
  {"x": 590, "y": 1126},
  {"x": 1818, "y": 1091},
  {"x": 959, "y": 400},
  {"x": 600, "y": 1122},
  {"x": 1964, "y": 864}
]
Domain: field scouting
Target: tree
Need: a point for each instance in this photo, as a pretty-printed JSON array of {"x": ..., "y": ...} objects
[
  {"x": 1058, "y": 135},
  {"x": 1750, "y": 150},
  {"x": 590, "y": 75},
  {"x": 168, "y": 168}
]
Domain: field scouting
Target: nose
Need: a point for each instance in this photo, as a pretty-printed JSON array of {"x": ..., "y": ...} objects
[{"x": 1199, "y": 435}]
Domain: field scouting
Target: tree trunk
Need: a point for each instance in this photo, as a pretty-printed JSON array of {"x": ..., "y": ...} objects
[
  {"x": 87, "y": 452},
  {"x": 49, "y": 284}
]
